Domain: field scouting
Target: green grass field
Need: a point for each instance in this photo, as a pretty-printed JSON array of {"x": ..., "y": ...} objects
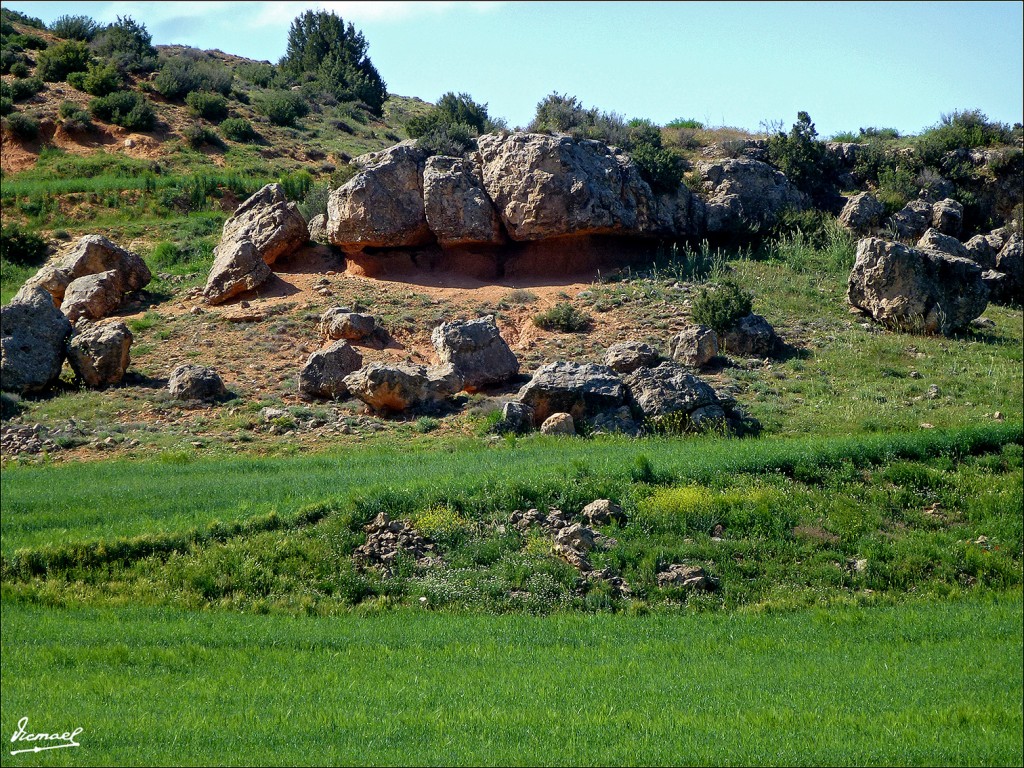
[{"x": 924, "y": 684}]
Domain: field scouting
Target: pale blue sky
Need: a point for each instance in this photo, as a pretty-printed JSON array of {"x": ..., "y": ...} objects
[{"x": 848, "y": 64}]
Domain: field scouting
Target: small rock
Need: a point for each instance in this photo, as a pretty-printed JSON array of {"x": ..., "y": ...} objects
[{"x": 558, "y": 424}]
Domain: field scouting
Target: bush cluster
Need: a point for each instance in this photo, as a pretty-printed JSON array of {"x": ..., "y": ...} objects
[
  {"x": 198, "y": 135},
  {"x": 965, "y": 129},
  {"x": 127, "y": 44},
  {"x": 282, "y": 107},
  {"x": 721, "y": 307},
  {"x": 100, "y": 79},
  {"x": 181, "y": 75},
  {"x": 74, "y": 119},
  {"x": 257, "y": 73},
  {"x": 563, "y": 317},
  {"x": 212, "y": 106},
  {"x": 22, "y": 126},
  {"x": 125, "y": 108},
  {"x": 22, "y": 88},
  {"x": 801, "y": 156},
  {"x": 75, "y": 28},
  {"x": 20, "y": 247},
  {"x": 239, "y": 129},
  {"x": 60, "y": 60}
]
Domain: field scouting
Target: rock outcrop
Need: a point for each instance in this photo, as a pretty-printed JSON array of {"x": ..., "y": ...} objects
[
  {"x": 1010, "y": 262},
  {"x": 325, "y": 370},
  {"x": 580, "y": 389},
  {"x": 382, "y": 205},
  {"x": 862, "y": 213},
  {"x": 743, "y": 195},
  {"x": 457, "y": 208},
  {"x": 915, "y": 289},
  {"x": 33, "y": 333},
  {"x": 263, "y": 228},
  {"x": 948, "y": 216},
  {"x": 99, "y": 353},
  {"x": 937, "y": 241},
  {"x": 476, "y": 350},
  {"x": 402, "y": 386},
  {"x": 912, "y": 220},
  {"x": 91, "y": 255}
]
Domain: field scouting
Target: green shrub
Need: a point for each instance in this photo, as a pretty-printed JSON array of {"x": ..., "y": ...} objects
[
  {"x": 181, "y": 75},
  {"x": 22, "y": 126},
  {"x": 661, "y": 168},
  {"x": 686, "y": 123},
  {"x": 801, "y": 156},
  {"x": 128, "y": 45},
  {"x": 19, "y": 69},
  {"x": 10, "y": 58},
  {"x": 722, "y": 306},
  {"x": 239, "y": 129},
  {"x": 212, "y": 106},
  {"x": 20, "y": 247},
  {"x": 259, "y": 74},
  {"x": 314, "y": 202},
  {"x": 198, "y": 135},
  {"x": 60, "y": 60},
  {"x": 73, "y": 117},
  {"x": 75, "y": 28},
  {"x": 23, "y": 88},
  {"x": 896, "y": 186},
  {"x": 125, "y": 108},
  {"x": 296, "y": 184},
  {"x": 451, "y": 110},
  {"x": 447, "y": 139},
  {"x": 98, "y": 80},
  {"x": 961, "y": 130},
  {"x": 282, "y": 107},
  {"x": 6, "y": 106},
  {"x": 560, "y": 113},
  {"x": 563, "y": 317}
]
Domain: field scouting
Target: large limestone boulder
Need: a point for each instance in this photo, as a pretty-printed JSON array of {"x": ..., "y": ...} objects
[
  {"x": 1010, "y": 261},
  {"x": 983, "y": 249},
  {"x": 476, "y": 350},
  {"x": 947, "y": 216},
  {"x": 742, "y": 194},
  {"x": 340, "y": 323},
  {"x": 274, "y": 225},
  {"x": 402, "y": 386},
  {"x": 457, "y": 208},
  {"x": 695, "y": 346},
  {"x": 263, "y": 228},
  {"x": 627, "y": 356},
  {"x": 237, "y": 267},
  {"x": 324, "y": 373},
  {"x": 558, "y": 424},
  {"x": 32, "y": 337},
  {"x": 196, "y": 382},
  {"x": 382, "y": 205},
  {"x": 937, "y": 241},
  {"x": 551, "y": 186},
  {"x": 318, "y": 229},
  {"x": 91, "y": 255},
  {"x": 99, "y": 354},
  {"x": 580, "y": 389},
  {"x": 670, "y": 389},
  {"x": 912, "y": 220},
  {"x": 915, "y": 289},
  {"x": 862, "y": 213},
  {"x": 93, "y": 296},
  {"x": 515, "y": 417}
]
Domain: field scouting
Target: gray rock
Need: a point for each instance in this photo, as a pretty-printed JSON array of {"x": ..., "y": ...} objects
[
  {"x": 912, "y": 220},
  {"x": 476, "y": 350},
  {"x": 744, "y": 194},
  {"x": 669, "y": 390},
  {"x": 382, "y": 205},
  {"x": 916, "y": 290},
  {"x": 686, "y": 576},
  {"x": 695, "y": 346},
  {"x": 339, "y": 323},
  {"x": 318, "y": 229},
  {"x": 237, "y": 267},
  {"x": 33, "y": 333},
  {"x": 1010, "y": 261},
  {"x": 752, "y": 336},
  {"x": 983, "y": 249},
  {"x": 93, "y": 296},
  {"x": 196, "y": 382},
  {"x": 91, "y": 255},
  {"x": 579, "y": 389},
  {"x": 615, "y": 421},
  {"x": 515, "y": 417},
  {"x": 273, "y": 225},
  {"x": 937, "y": 241},
  {"x": 402, "y": 386},
  {"x": 603, "y": 512},
  {"x": 456, "y": 206},
  {"x": 862, "y": 213},
  {"x": 100, "y": 354},
  {"x": 627, "y": 356},
  {"x": 558, "y": 424},
  {"x": 325, "y": 370},
  {"x": 947, "y": 216}
]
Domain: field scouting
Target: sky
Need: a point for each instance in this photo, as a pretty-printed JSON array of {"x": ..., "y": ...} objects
[{"x": 742, "y": 64}]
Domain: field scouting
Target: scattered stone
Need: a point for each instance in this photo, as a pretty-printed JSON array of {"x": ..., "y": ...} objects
[
  {"x": 627, "y": 356},
  {"x": 196, "y": 382},
  {"x": 691, "y": 577},
  {"x": 615, "y": 421},
  {"x": 237, "y": 267},
  {"x": 387, "y": 539},
  {"x": 916, "y": 290},
  {"x": 99, "y": 354},
  {"x": 325, "y": 370},
  {"x": 402, "y": 386},
  {"x": 318, "y": 229},
  {"x": 603, "y": 512},
  {"x": 751, "y": 336},
  {"x": 33, "y": 333},
  {"x": 695, "y": 346},
  {"x": 267, "y": 220},
  {"x": 339, "y": 323},
  {"x": 91, "y": 255},
  {"x": 16, "y": 439},
  {"x": 934, "y": 392},
  {"x": 476, "y": 350},
  {"x": 670, "y": 389},
  {"x": 558, "y": 424}
]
